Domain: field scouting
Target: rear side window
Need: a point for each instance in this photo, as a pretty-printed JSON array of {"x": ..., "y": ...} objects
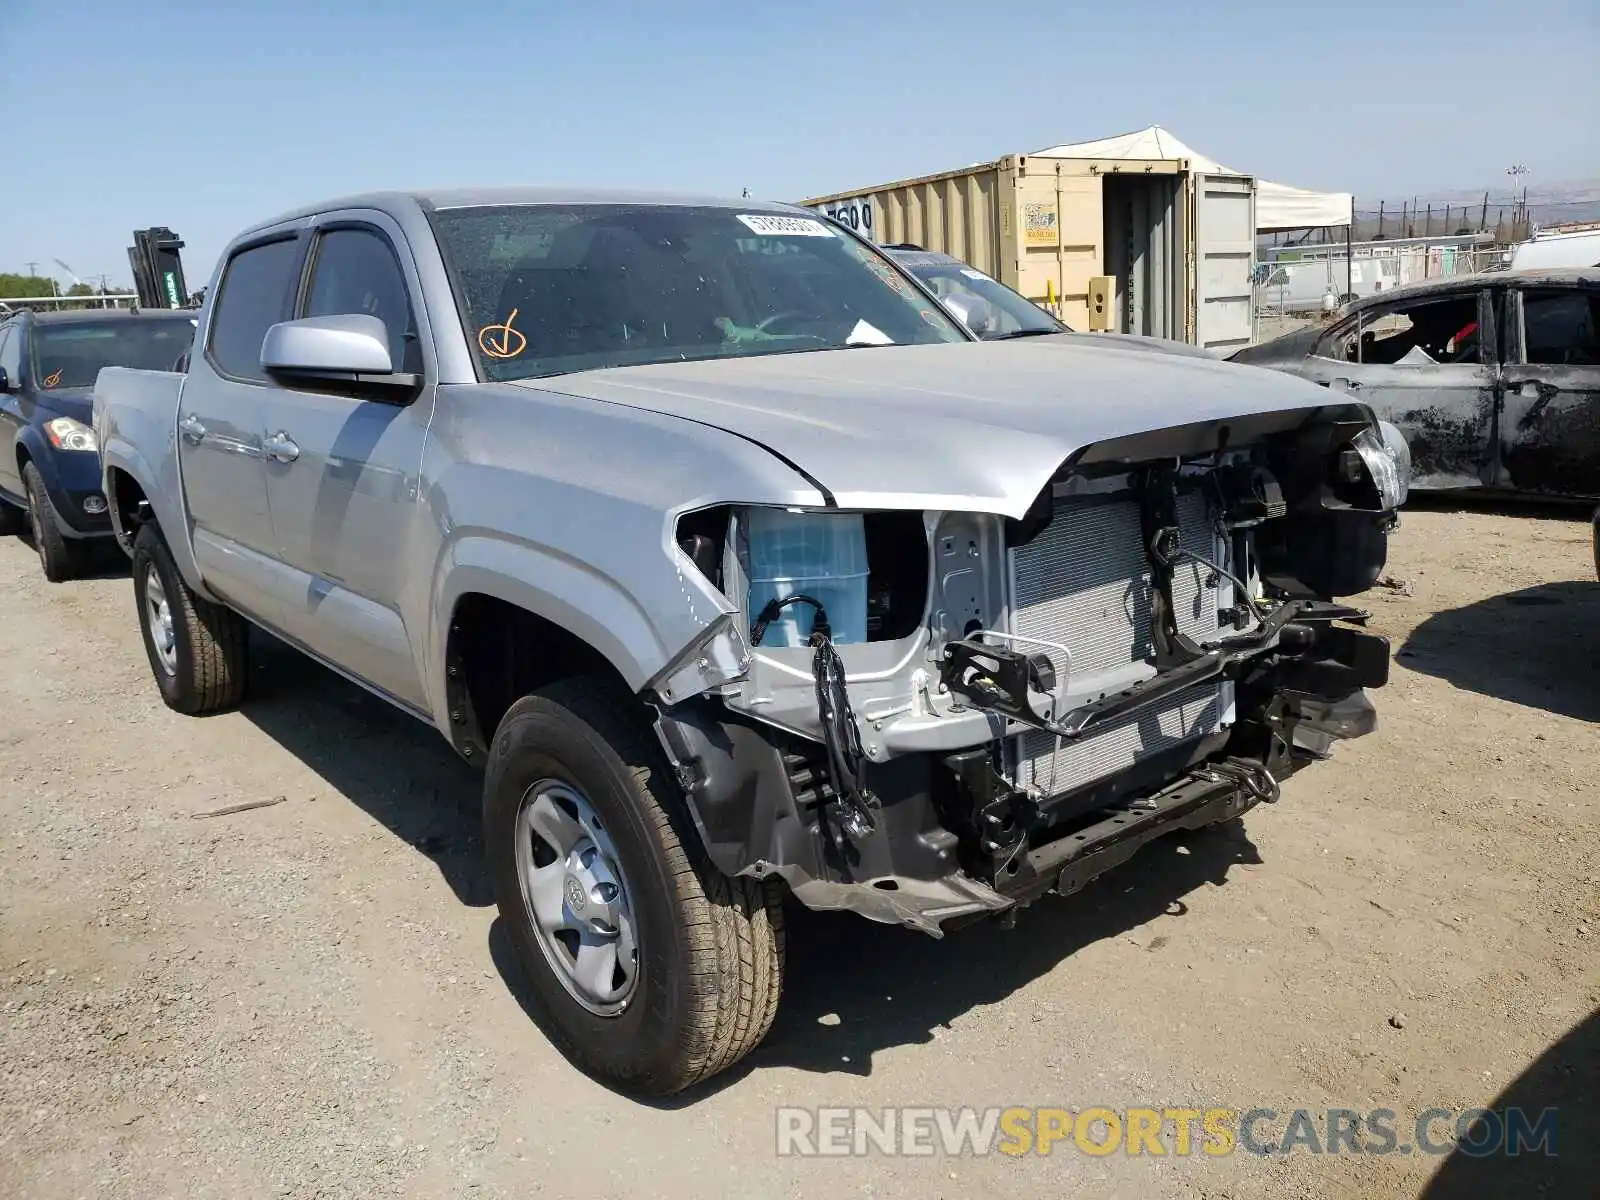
[
  {"x": 254, "y": 295},
  {"x": 1559, "y": 328}
]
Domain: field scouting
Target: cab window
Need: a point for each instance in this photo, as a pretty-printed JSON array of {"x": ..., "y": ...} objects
[{"x": 355, "y": 271}]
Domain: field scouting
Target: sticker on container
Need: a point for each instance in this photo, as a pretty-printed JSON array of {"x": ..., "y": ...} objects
[
  {"x": 772, "y": 225},
  {"x": 1040, "y": 225}
]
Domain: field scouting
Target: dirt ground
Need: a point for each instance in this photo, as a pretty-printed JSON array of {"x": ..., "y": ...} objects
[{"x": 315, "y": 999}]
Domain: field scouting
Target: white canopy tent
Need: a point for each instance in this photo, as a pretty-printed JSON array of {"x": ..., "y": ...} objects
[{"x": 1278, "y": 206}]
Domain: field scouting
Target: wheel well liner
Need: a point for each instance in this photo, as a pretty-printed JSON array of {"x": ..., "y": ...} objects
[{"x": 495, "y": 654}]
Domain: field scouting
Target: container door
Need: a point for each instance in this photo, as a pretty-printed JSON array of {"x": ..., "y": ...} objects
[{"x": 1224, "y": 258}]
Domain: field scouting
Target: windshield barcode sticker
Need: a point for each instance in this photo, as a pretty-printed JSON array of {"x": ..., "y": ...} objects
[{"x": 771, "y": 225}]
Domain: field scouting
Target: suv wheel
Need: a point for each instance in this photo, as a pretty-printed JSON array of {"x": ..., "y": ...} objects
[
  {"x": 650, "y": 970},
  {"x": 58, "y": 556},
  {"x": 197, "y": 649}
]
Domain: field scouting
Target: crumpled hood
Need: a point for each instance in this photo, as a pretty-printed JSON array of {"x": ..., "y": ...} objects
[
  {"x": 975, "y": 427},
  {"x": 1128, "y": 343}
]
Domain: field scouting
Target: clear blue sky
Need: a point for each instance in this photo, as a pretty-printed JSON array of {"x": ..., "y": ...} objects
[{"x": 207, "y": 115}]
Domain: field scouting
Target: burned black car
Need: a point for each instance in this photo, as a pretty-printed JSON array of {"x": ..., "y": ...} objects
[{"x": 1494, "y": 379}]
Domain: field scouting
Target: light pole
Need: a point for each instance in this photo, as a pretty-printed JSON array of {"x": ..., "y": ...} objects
[{"x": 1519, "y": 176}]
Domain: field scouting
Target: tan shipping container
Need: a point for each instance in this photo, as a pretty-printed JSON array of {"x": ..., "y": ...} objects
[{"x": 1049, "y": 226}]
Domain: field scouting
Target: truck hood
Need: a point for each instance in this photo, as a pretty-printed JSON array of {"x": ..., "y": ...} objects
[
  {"x": 978, "y": 427},
  {"x": 77, "y": 403}
]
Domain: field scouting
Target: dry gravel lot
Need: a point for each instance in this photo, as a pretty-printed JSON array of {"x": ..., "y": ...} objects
[{"x": 314, "y": 999}]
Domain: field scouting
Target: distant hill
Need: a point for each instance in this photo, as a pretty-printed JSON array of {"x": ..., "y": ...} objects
[{"x": 1574, "y": 191}]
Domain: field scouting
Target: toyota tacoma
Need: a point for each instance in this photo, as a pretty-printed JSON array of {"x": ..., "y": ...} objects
[{"x": 744, "y": 572}]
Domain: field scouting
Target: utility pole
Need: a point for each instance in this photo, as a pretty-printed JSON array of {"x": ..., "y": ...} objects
[{"x": 31, "y": 272}]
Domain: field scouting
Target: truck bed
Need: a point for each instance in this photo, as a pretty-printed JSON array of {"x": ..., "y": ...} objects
[{"x": 135, "y": 421}]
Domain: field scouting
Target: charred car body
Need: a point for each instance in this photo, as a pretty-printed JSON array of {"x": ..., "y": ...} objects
[
  {"x": 743, "y": 568},
  {"x": 1494, "y": 379}
]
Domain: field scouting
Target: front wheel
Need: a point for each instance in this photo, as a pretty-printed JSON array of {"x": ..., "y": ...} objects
[
  {"x": 60, "y": 557},
  {"x": 197, "y": 649},
  {"x": 648, "y": 968}
]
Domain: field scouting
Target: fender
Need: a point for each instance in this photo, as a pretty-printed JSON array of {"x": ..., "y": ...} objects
[
  {"x": 541, "y": 580},
  {"x": 39, "y": 452},
  {"x": 119, "y": 454}
]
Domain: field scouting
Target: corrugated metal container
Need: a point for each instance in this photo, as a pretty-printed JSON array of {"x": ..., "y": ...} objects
[{"x": 1179, "y": 245}]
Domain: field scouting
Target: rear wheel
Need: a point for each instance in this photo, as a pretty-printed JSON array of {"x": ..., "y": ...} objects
[
  {"x": 648, "y": 968},
  {"x": 12, "y": 519},
  {"x": 59, "y": 557},
  {"x": 197, "y": 649}
]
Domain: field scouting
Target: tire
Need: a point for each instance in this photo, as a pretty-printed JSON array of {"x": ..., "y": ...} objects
[
  {"x": 59, "y": 557},
  {"x": 1596, "y": 521},
  {"x": 709, "y": 949},
  {"x": 198, "y": 653}
]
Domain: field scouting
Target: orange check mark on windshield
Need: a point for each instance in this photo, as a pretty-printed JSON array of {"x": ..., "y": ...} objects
[{"x": 503, "y": 340}]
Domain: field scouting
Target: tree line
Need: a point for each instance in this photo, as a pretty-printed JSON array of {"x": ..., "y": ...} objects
[{"x": 25, "y": 286}]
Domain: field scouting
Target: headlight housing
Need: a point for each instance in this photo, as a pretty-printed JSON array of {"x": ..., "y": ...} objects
[
  {"x": 66, "y": 434},
  {"x": 1384, "y": 463}
]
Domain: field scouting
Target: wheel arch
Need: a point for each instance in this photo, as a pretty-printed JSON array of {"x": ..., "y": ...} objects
[
  {"x": 135, "y": 497},
  {"x": 502, "y": 640}
]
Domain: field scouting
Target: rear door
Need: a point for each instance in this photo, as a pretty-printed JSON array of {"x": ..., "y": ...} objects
[
  {"x": 220, "y": 426},
  {"x": 342, "y": 471},
  {"x": 1224, "y": 261},
  {"x": 1428, "y": 364},
  {"x": 1550, "y": 421}
]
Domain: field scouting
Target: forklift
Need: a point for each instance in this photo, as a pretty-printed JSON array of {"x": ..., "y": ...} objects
[{"x": 158, "y": 269}]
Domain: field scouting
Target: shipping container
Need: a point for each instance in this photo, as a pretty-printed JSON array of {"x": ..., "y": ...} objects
[{"x": 1178, "y": 245}]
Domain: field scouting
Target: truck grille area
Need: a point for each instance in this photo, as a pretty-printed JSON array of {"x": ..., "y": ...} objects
[{"x": 1084, "y": 582}]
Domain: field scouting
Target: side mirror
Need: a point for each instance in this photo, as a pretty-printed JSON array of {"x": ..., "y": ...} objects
[
  {"x": 339, "y": 346},
  {"x": 347, "y": 354}
]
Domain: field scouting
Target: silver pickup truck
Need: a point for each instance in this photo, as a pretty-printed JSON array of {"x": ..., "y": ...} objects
[{"x": 745, "y": 572}]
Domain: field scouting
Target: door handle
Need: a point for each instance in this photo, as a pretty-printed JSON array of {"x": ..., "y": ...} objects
[
  {"x": 193, "y": 431},
  {"x": 280, "y": 447}
]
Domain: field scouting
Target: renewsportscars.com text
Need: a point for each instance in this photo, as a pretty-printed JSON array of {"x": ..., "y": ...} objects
[{"x": 1178, "y": 1131}]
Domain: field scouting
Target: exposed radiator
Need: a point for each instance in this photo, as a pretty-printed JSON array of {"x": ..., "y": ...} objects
[{"x": 1084, "y": 582}]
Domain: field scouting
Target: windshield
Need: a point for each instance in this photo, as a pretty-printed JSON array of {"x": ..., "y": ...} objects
[
  {"x": 547, "y": 289},
  {"x": 70, "y": 354},
  {"x": 990, "y": 309}
]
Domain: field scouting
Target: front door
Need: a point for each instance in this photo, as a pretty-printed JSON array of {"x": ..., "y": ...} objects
[
  {"x": 1550, "y": 420},
  {"x": 1429, "y": 365},
  {"x": 219, "y": 428},
  {"x": 11, "y": 401},
  {"x": 342, "y": 473}
]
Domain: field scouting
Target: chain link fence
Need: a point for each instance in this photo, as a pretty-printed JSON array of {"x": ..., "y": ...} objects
[{"x": 1306, "y": 281}]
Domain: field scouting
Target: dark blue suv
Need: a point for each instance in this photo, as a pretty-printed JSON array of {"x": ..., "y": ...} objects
[{"x": 49, "y": 460}]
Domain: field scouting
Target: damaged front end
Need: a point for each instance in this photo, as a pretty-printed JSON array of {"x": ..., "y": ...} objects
[{"x": 955, "y": 713}]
